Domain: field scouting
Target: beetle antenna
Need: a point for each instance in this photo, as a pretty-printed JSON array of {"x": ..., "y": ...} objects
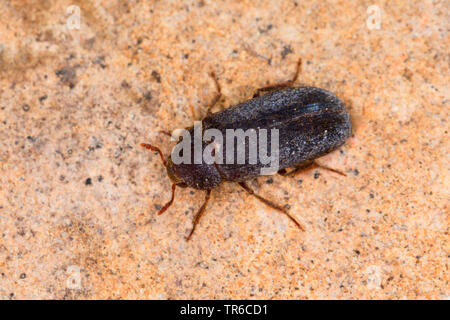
[
  {"x": 153, "y": 148},
  {"x": 168, "y": 204},
  {"x": 167, "y": 133}
]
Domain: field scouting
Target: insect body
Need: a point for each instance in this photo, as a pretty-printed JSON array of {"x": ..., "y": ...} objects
[{"x": 310, "y": 122}]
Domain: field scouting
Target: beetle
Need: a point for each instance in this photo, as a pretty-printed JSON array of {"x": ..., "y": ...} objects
[{"x": 311, "y": 123}]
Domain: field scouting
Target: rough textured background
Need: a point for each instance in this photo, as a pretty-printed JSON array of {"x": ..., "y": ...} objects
[{"x": 76, "y": 189}]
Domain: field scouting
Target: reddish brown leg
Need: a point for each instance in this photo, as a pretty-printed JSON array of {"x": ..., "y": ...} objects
[
  {"x": 318, "y": 165},
  {"x": 270, "y": 204},
  {"x": 281, "y": 85},
  {"x": 199, "y": 214},
  {"x": 218, "y": 94},
  {"x": 168, "y": 204},
  {"x": 306, "y": 167}
]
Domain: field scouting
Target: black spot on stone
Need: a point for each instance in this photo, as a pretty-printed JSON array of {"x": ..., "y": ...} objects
[
  {"x": 269, "y": 181},
  {"x": 67, "y": 76},
  {"x": 266, "y": 29},
  {"x": 26, "y": 107},
  {"x": 316, "y": 175},
  {"x": 147, "y": 96},
  {"x": 88, "y": 181},
  {"x": 100, "y": 61},
  {"x": 286, "y": 50},
  {"x": 156, "y": 76},
  {"x": 23, "y": 276},
  {"x": 125, "y": 84}
]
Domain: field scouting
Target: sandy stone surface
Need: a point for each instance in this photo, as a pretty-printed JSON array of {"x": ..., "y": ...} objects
[{"x": 76, "y": 190}]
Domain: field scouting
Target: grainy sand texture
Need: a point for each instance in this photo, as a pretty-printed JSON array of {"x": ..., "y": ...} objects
[{"x": 83, "y": 83}]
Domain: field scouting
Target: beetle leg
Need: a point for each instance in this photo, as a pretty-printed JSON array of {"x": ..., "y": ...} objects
[
  {"x": 270, "y": 204},
  {"x": 199, "y": 214},
  {"x": 281, "y": 85},
  {"x": 218, "y": 94},
  {"x": 304, "y": 166},
  {"x": 318, "y": 165},
  {"x": 273, "y": 87},
  {"x": 168, "y": 204},
  {"x": 298, "y": 70},
  {"x": 310, "y": 165}
]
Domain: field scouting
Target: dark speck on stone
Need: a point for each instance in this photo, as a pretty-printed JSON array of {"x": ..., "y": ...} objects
[
  {"x": 23, "y": 276},
  {"x": 100, "y": 178},
  {"x": 269, "y": 181},
  {"x": 88, "y": 181},
  {"x": 356, "y": 172},
  {"x": 286, "y": 50},
  {"x": 316, "y": 175},
  {"x": 26, "y": 107},
  {"x": 264, "y": 30},
  {"x": 67, "y": 76},
  {"x": 125, "y": 84},
  {"x": 158, "y": 207},
  {"x": 156, "y": 76},
  {"x": 148, "y": 96},
  {"x": 357, "y": 252},
  {"x": 100, "y": 61},
  {"x": 43, "y": 98}
]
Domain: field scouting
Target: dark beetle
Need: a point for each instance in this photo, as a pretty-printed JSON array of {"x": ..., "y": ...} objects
[{"x": 311, "y": 123}]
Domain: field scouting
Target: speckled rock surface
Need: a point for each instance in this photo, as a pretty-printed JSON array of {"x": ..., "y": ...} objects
[{"x": 76, "y": 190}]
